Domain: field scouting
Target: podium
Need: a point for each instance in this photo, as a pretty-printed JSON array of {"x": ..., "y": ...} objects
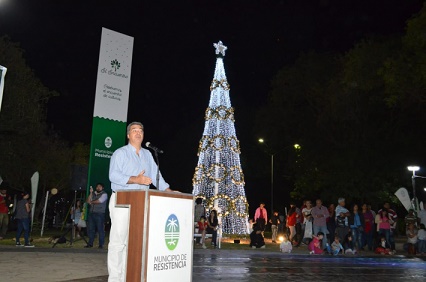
[{"x": 160, "y": 243}]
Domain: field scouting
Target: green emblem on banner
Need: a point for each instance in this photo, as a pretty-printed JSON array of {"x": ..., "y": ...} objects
[
  {"x": 171, "y": 232},
  {"x": 115, "y": 64}
]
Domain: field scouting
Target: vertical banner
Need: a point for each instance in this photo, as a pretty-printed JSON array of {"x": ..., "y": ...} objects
[
  {"x": 34, "y": 188},
  {"x": 404, "y": 198},
  {"x": 111, "y": 102},
  {"x": 2, "y": 74}
]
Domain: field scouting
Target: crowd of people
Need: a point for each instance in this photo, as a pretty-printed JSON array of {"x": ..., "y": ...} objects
[{"x": 339, "y": 229}]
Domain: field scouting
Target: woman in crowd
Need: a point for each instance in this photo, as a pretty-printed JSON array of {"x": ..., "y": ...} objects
[
  {"x": 356, "y": 224},
  {"x": 367, "y": 235},
  {"x": 212, "y": 225},
  {"x": 76, "y": 217},
  {"x": 331, "y": 223},
  {"x": 307, "y": 222},
  {"x": 291, "y": 223},
  {"x": 383, "y": 225}
]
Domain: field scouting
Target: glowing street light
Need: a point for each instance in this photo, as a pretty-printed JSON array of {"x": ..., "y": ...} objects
[{"x": 413, "y": 182}]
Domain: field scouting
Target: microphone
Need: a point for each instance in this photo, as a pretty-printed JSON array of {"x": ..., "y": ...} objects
[{"x": 148, "y": 145}]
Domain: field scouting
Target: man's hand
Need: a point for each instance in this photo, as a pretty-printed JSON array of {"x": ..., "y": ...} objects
[{"x": 142, "y": 179}]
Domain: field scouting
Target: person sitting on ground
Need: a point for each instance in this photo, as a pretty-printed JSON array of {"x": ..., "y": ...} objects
[
  {"x": 384, "y": 247},
  {"x": 336, "y": 247},
  {"x": 286, "y": 246},
  {"x": 202, "y": 226},
  {"x": 421, "y": 240},
  {"x": 411, "y": 245},
  {"x": 349, "y": 245},
  {"x": 314, "y": 246},
  {"x": 256, "y": 238}
]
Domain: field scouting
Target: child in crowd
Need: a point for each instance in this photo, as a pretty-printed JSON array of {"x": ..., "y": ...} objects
[
  {"x": 336, "y": 247},
  {"x": 202, "y": 226},
  {"x": 384, "y": 247},
  {"x": 250, "y": 225},
  {"x": 349, "y": 245},
  {"x": 421, "y": 240},
  {"x": 411, "y": 244},
  {"x": 286, "y": 246},
  {"x": 315, "y": 245}
]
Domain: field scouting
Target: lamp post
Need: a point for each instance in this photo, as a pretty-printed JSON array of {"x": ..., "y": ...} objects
[
  {"x": 413, "y": 182},
  {"x": 272, "y": 176},
  {"x": 262, "y": 141}
]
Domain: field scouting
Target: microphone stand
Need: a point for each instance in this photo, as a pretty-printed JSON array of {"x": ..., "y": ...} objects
[{"x": 158, "y": 170}]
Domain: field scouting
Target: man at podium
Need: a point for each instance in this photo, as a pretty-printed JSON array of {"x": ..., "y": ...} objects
[{"x": 132, "y": 168}]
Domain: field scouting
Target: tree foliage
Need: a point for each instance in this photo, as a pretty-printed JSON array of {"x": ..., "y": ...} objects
[
  {"x": 358, "y": 116},
  {"x": 26, "y": 143}
]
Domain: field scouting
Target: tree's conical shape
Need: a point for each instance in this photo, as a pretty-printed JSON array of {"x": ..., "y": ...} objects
[{"x": 218, "y": 177}]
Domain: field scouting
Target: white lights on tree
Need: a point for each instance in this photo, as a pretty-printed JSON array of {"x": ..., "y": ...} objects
[{"x": 218, "y": 177}]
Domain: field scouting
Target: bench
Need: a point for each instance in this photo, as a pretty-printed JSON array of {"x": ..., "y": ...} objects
[{"x": 218, "y": 239}]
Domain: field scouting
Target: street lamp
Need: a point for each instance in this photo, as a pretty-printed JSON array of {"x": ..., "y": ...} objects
[
  {"x": 413, "y": 182},
  {"x": 272, "y": 176},
  {"x": 262, "y": 141}
]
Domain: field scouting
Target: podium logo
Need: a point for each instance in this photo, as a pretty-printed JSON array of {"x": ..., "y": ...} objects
[{"x": 171, "y": 232}]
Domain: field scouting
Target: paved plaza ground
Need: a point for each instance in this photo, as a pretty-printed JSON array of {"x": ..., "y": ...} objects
[{"x": 244, "y": 264}]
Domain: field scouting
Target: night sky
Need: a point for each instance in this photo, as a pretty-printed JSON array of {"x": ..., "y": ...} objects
[{"x": 173, "y": 58}]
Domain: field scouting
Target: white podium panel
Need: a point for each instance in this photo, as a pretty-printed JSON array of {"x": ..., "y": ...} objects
[{"x": 170, "y": 239}]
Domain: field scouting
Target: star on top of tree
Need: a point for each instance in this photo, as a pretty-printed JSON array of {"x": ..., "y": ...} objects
[{"x": 220, "y": 48}]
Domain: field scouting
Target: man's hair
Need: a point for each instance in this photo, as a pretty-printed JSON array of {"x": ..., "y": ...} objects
[
  {"x": 340, "y": 200},
  {"x": 198, "y": 201},
  {"x": 133, "y": 123},
  {"x": 101, "y": 184}
]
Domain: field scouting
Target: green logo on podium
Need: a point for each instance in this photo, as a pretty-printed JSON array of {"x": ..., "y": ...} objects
[{"x": 171, "y": 232}]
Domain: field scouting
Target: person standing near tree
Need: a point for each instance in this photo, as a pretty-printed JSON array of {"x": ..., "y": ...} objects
[
  {"x": 393, "y": 217},
  {"x": 96, "y": 219},
  {"x": 131, "y": 168},
  {"x": 274, "y": 226},
  {"x": 342, "y": 214},
  {"x": 23, "y": 208},
  {"x": 261, "y": 217},
  {"x": 331, "y": 223},
  {"x": 4, "y": 213},
  {"x": 320, "y": 215},
  {"x": 199, "y": 211}
]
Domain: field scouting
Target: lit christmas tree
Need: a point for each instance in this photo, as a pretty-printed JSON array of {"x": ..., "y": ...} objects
[{"x": 218, "y": 177}]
